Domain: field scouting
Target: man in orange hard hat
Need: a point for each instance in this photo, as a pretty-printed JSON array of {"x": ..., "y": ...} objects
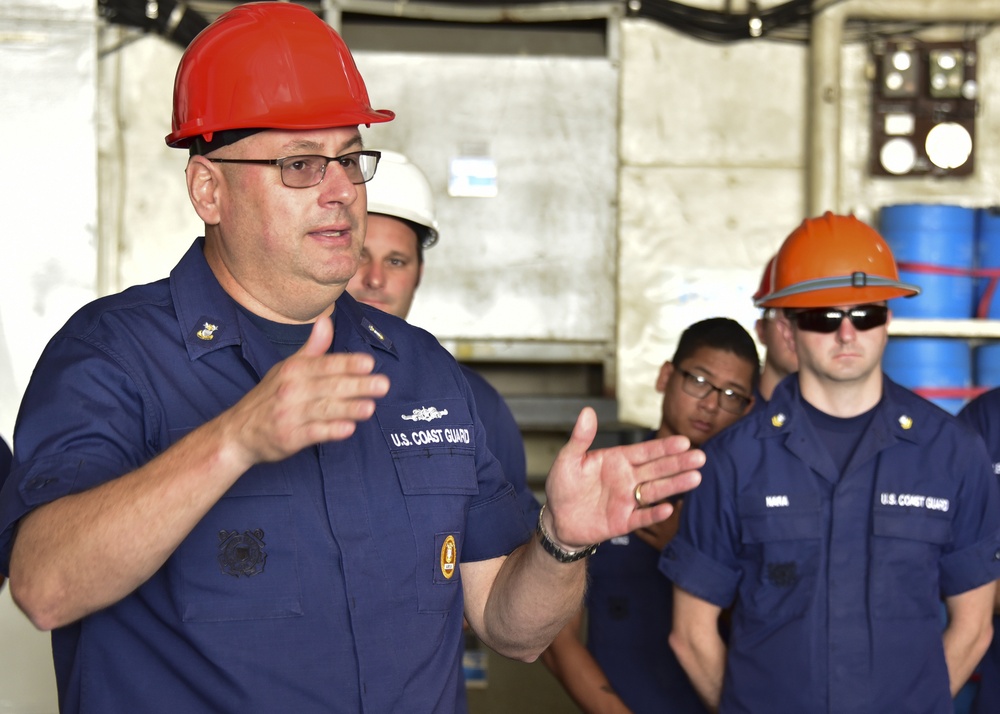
[
  {"x": 237, "y": 489},
  {"x": 834, "y": 520}
]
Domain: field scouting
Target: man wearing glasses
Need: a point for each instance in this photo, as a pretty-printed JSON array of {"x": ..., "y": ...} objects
[
  {"x": 834, "y": 520},
  {"x": 626, "y": 666},
  {"x": 236, "y": 490}
]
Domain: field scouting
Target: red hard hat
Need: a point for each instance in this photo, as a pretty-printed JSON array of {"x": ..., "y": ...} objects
[
  {"x": 267, "y": 65},
  {"x": 765, "y": 281},
  {"x": 833, "y": 260}
]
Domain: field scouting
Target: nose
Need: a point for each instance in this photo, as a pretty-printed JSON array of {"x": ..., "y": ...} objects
[
  {"x": 336, "y": 187},
  {"x": 372, "y": 276},
  {"x": 847, "y": 332},
  {"x": 710, "y": 402}
]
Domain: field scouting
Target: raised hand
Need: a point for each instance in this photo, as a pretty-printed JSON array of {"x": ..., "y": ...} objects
[{"x": 596, "y": 495}]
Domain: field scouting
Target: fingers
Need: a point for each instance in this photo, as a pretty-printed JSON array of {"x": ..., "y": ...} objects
[
  {"x": 656, "y": 490},
  {"x": 309, "y": 398}
]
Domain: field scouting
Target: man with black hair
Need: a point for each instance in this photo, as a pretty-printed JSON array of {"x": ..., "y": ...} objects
[{"x": 626, "y": 665}]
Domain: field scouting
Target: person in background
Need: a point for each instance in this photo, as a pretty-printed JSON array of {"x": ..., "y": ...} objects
[
  {"x": 237, "y": 489},
  {"x": 626, "y": 665},
  {"x": 833, "y": 520},
  {"x": 5, "y": 461},
  {"x": 983, "y": 415},
  {"x": 401, "y": 225},
  {"x": 779, "y": 358}
]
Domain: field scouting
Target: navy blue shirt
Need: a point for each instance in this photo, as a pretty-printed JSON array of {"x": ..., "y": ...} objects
[
  {"x": 983, "y": 414},
  {"x": 503, "y": 437},
  {"x": 836, "y": 578},
  {"x": 629, "y": 615},
  {"x": 328, "y": 582}
]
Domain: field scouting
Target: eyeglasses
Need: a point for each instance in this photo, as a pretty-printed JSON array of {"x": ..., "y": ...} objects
[
  {"x": 697, "y": 386},
  {"x": 828, "y": 319},
  {"x": 310, "y": 169}
]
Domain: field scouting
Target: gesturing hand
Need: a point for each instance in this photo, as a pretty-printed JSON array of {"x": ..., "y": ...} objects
[
  {"x": 592, "y": 495},
  {"x": 308, "y": 398}
]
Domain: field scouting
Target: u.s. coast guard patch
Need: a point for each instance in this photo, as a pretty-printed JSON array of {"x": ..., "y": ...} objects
[{"x": 242, "y": 553}]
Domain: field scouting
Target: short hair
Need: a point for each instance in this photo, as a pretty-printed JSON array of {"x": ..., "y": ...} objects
[{"x": 720, "y": 333}]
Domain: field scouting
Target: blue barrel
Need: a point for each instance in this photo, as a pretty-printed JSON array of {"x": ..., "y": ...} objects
[
  {"x": 935, "y": 235},
  {"x": 988, "y": 256},
  {"x": 931, "y": 364},
  {"x": 987, "y": 359}
]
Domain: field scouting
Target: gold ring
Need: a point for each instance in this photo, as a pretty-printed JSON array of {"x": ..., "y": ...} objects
[{"x": 638, "y": 496}]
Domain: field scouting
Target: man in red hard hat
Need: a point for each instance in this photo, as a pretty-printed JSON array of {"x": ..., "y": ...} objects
[
  {"x": 835, "y": 519},
  {"x": 237, "y": 489},
  {"x": 779, "y": 358}
]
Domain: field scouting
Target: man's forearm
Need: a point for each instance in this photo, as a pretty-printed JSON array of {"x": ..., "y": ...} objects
[
  {"x": 88, "y": 550},
  {"x": 580, "y": 674},
  {"x": 968, "y": 634},
  {"x": 524, "y": 602}
]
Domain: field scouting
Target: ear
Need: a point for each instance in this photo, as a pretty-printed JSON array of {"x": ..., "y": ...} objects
[
  {"x": 204, "y": 181},
  {"x": 661, "y": 379},
  {"x": 759, "y": 329},
  {"x": 786, "y": 331}
]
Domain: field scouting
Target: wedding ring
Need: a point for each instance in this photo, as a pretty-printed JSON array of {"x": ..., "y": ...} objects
[{"x": 638, "y": 496}]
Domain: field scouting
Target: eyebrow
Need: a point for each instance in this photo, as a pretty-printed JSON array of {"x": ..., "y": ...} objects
[{"x": 306, "y": 145}]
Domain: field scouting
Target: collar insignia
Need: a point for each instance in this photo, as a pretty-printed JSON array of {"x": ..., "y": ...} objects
[
  {"x": 207, "y": 331},
  {"x": 778, "y": 420},
  {"x": 906, "y": 422}
]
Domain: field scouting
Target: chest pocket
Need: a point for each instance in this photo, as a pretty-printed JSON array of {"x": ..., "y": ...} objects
[
  {"x": 240, "y": 562},
  {"x": 433, "y": 450},
  {"x": 781, "y": 561},
  {"x": 906, "y": 550}
]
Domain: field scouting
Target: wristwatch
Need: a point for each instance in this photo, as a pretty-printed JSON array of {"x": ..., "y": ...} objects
[{"x": 557, "y": 552}]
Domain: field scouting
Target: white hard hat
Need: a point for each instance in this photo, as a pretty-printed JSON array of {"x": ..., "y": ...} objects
[{"x": 401, "y": 190}]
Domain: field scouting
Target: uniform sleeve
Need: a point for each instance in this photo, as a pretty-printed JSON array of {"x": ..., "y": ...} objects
[
  {"x": 974, "y": 558},
  {"x": 503, "y": 437},
  {"x": 496, "y": 523},
  {"x": 82, "y": 422},
  {"x": 701, "y": 558}
]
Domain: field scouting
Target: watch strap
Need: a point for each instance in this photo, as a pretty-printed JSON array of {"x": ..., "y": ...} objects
[{"x": 556, "y": 551}]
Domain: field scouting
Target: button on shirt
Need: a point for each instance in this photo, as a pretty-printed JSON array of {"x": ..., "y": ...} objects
[
  {"x": 837, "y": 578},
  {"x": 328, "y": 582}
]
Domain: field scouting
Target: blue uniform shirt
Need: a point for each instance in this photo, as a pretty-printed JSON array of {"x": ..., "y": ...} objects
[
  {"x": 836, "y": 580},
  {"x": 328, "y": 582},
  {"x": 629, "y": 614},
  {"x": 983, "y": 414},
  {"x": 503, "y": 437}
]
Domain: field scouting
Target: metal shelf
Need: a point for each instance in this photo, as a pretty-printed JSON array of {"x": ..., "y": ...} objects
[{"x": 962, "y": 329}]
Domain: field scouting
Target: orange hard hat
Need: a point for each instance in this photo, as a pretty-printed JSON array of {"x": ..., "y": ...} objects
[
  {"x": 267, "y": 65},
  {"x": 765, "y": 281},
  {"x": 833, "y": 260}
]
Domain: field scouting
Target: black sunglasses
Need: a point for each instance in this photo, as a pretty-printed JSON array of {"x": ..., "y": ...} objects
[{"x": 828, "y": 319}]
